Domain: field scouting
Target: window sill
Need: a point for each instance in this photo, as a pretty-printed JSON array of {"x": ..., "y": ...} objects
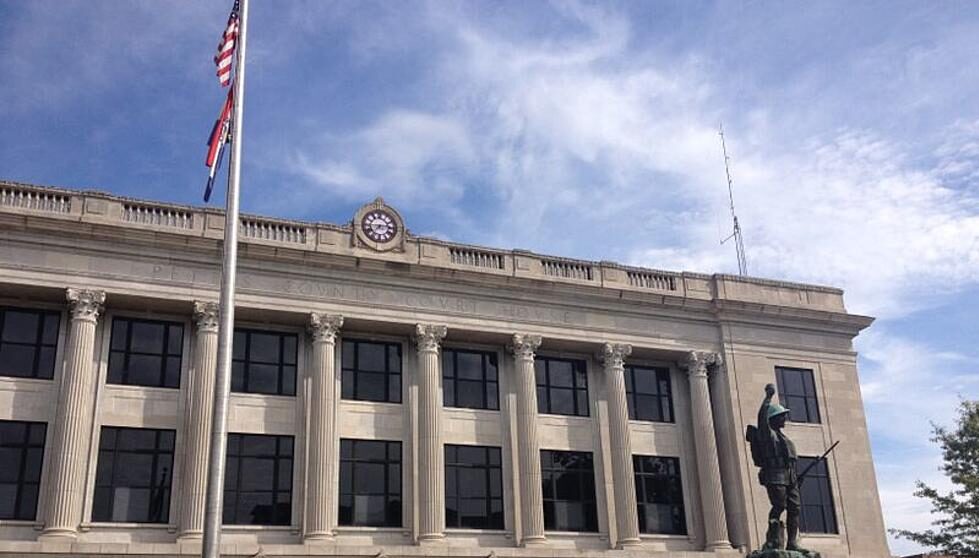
[
  {"x": 663, "y": 536},
  {"x": 21, "y": 523},
  {"x": 342, "y": 529},
  {"x": 589, "y": 534},
  {"x": 124, "y": 525},
  {"x": 228, "y": 528},
  {"x": 246, "y": 395},
  {"x": 469, "y": 531},
  {"x": 823, "y": 536}
]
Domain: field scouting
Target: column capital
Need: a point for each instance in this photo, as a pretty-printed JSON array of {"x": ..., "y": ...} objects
[
  {"x": 85, "y": 304},
  {"x": 206, "y": 316},
  {"x": 324, "y": 327},
  {"x": 523, "y": 346},
  {"x": 613, "y": 355},
  {"x": 428, "y": 337},
  {"x": 698, "y": 362}
]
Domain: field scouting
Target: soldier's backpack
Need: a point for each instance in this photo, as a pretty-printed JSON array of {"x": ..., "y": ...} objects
[{"x": 752, "y": 435}]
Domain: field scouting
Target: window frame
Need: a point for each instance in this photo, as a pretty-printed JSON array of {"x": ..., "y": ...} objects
[
  {"x": 641, "y": 477},
  {"x": 548, "y": 388},
  {"x": 127, "y": 352},
  {"x": 389, "y": 496},
  {"x": 486, "y": 384},
  {"x": 246, "y": 362},
  {"x": 156, "y": 454},
  {"x": 632, "y": 396},
  {"x": 355, "y": 371},
  {"x": 827, "y": 503},
  {"x": 277, "y": 458},
  {"x": 810, "y": 402},
  {"x": 549, "y": 481},
  {"x": 25, "y": 446},
  {"x": 39, "y": 344},
  {"x": 487, "y": 468}
]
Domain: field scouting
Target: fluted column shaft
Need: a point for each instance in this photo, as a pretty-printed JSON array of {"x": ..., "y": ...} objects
[
  {"x": 708, "y": 466},
  {"x": 528, "y": 448},
  {"x": 623, "y": 476},
  {"x": 321, "y": 503},
  {"x": 73, "y": 420},
  {"x": 197, "y": 421},
  {"x": 431, "y": 456}
]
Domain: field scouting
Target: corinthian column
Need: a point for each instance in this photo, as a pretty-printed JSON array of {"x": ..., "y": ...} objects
[
  {"x": 431, "y": 459},
  {"x": 197, "y": 421},
  {"x": 708, "y": 467},
  {"x": 528, "y": 450},
  {"x": 321, "y": 503},
  {"x": 623, "y": 476},
  {"x": 73, "y": 421}
]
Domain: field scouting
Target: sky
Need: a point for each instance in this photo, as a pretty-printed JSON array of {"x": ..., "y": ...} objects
[{"x": 577, "y": 129}]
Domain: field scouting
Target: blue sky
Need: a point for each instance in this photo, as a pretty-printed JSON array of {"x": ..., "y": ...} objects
[{"x": 578, "y": 129}]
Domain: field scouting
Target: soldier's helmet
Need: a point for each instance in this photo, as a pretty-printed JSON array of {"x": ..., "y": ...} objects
[{"x": 775, "y": 410}]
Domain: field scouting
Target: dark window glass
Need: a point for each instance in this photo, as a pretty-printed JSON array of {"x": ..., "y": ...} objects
[
  {"x": 258, "y": 480},
  {"x": 371, "y": 371},
  {"x": 797, "y": 391},
  {"x": 649, "y": 393},
  {"x": 469, "y": 379},
  {"x": 659, "y": 494},
  {"x": 145, "y": 353},
  {"x": 818, "y": 513},
  {"x": 28, "y": 341},
  {"x": 21, "y": 455},
  {"x": 264, "y": 362},
  {"x": 473, "y": 487},
  {"x": 132, "y": 480},
  {"x": 562, "y": 386},
  {"x": 370, "y": 483},
  {"x": 568, "y": 482}
]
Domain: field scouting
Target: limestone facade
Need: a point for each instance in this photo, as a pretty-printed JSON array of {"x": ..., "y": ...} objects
[{"x": 93, "y": 258}]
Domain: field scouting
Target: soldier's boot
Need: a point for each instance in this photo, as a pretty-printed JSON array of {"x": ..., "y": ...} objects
[
  {"x": 792, "y": 526},
  {"x": 773, "y": 535}
]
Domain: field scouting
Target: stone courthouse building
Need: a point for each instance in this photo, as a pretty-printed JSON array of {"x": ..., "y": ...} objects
[{"x": 396, "y": 395}]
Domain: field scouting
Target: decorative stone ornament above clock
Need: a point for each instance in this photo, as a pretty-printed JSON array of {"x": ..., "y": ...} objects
[{"x": 380, "y": 227}]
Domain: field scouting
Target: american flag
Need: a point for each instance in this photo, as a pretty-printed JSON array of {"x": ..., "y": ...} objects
[{"x": 226, "y": 48}]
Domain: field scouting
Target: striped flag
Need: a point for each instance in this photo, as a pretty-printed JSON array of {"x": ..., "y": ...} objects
[
  {"x": 215, "y": 143},
  {"x": 226, "y": 48}
]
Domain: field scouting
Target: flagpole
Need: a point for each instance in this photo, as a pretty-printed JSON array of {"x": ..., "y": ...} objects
[{"x": 219, "y": 425}]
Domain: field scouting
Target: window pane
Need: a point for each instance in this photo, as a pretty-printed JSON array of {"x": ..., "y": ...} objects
[
  {"x": 264, "y": 347},
  {"x": 562, "y": 402},
  {"x": 146, "y": 337},
  {"x": 371, "y": 386},
  {"x": 560, "y": 374},
  {"x": 470, "y": 366},
  {"x": 371, "y": 356},
  {"x": 133, "y": 475},
  {"x": 16, "y": 360},
  {"x": 20, "y": 326},
  {"x": 50, "y": 335}
]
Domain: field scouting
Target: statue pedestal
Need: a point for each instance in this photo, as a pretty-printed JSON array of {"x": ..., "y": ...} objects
[{"x": 771, "y": 553}]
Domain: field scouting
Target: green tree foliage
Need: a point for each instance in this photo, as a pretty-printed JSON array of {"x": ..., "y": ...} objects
[{"x": 955, "y": 530}]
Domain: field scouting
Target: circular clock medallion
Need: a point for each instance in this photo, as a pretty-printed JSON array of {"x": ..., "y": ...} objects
[{"x": 379, "y": 226}]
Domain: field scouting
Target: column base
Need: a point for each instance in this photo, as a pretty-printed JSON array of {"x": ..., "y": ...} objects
[
  {"x": 718, "y": 546},
  {"x": 540, "y": 540},
  {"x": 430, "y": 539},
  {"x": 322, "y": 537},
  {"x": 629, "y": 544},
  {"x": 61, "y": 534},
  {"x": 190, "y": 536}
]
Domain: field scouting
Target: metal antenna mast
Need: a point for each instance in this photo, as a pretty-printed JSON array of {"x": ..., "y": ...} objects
[{"x": 736, "y": 235}]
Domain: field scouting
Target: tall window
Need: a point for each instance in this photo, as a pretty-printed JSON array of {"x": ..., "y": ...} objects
[
  {"x": 370, "y": 483},
  {"x": 371, "y": 371},
  {"x": 469, "y": 379},
  {"x": 649, "y": 393},
  {"x": 473, "y": 487},
  {"x": 818, "y": 513},
  {"x": 562, "y": 386},
  {"x": 659, "y": 493},
  {"x": 264, "y": 362},
  {"x": 21, "y": 454},
  {"x": 797, "y": 391},
  {"x": 568, "y": 479},
  {"x": 145, "y": 353},
  {"x": 132, "y": 480},
  {"x": 28, "y": 340},
  {"x": 258, "y": 480}
]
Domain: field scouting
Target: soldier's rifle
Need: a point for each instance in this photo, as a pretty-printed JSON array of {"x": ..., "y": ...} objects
[{"x": 802, "y": 475}]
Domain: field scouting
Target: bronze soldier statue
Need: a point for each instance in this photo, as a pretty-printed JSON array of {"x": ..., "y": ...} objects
[{"x": 775, "y": 454}]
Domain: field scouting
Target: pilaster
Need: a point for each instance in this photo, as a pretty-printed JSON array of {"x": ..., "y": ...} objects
[
  {"x": 431, "y": 456},
  {"x": 73, "y": 420}
]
